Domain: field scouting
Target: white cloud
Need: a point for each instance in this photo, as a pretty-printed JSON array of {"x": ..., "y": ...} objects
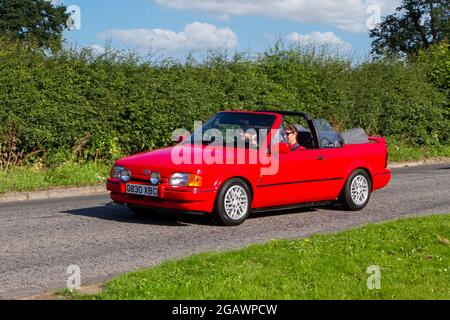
[
  {"x": 97, "y": 49},
  {"x": 195, "y": 36},
  {"x": 349, "y": 15},
  {"x": 328, "y": 39}
]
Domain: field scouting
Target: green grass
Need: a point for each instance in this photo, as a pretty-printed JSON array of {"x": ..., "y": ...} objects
[
  {"x": 399, "y": 152},
  {"x": 413, "y": 254},
  {"x": 29, "y": 178}
]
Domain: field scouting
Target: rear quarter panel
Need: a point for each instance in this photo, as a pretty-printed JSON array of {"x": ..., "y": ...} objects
[{"x": 372, "y": 157}]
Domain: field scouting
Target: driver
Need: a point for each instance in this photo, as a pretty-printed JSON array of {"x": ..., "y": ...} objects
[
  {"x": 251, "y": 138},
  {"x": 291, "y": 132}
]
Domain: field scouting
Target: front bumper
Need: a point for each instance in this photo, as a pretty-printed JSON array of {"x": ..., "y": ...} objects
[{"x": 192, "y": 200}]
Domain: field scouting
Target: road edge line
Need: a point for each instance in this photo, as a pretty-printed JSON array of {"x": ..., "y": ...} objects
[
  {"x": 398, "y": 165},
  {"x": 58, "y": 193}
]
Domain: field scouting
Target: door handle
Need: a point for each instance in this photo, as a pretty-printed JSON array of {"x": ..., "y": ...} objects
[{"x": 320, "y": 158}]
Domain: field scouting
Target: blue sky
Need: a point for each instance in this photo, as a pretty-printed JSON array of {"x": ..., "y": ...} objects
[{"x": 175, "y": 27}]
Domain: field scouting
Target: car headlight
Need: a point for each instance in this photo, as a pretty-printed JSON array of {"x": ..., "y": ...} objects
[
  {"x": 125, "y": 175},
  {"x": 115, "y": 172},
  {"x": 121, "y": 173},
  {"x": 185, "y": 180},
  {"x": 179, "y": 180},
  {"x": 155, "y": 178}
]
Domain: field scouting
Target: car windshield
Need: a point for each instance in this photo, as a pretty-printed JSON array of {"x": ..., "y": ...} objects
[{"x": 246, "y": 129}]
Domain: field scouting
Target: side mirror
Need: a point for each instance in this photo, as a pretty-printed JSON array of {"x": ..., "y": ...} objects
[
  {"x": 182, "y": 139},
  {"x": 282, "y": 147}
]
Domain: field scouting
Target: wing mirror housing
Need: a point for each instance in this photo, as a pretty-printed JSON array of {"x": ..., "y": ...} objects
[{"x": 182, "y": 139}]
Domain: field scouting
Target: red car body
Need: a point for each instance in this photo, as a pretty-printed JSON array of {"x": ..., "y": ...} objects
[{"x": 304, "y": 177}]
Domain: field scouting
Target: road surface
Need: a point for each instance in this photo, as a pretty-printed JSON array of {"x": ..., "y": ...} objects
[{"x": 40, "y": 239}]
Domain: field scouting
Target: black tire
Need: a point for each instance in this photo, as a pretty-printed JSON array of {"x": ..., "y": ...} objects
[
  {"x": 346, "y": 199},
  {"x": 143, "y": 212},
  {"x": 221, "y": 216}
]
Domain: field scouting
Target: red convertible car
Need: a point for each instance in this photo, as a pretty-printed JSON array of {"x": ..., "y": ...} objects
[{"x": 242, "y": 162}]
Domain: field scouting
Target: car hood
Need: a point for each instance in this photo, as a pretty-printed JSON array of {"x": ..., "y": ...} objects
[
  {"x": 158, "y": 160},
  {"x": 164, "y": 161}
]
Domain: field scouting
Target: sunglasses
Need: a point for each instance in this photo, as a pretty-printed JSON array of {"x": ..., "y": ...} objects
[{"x": 289, "y": 133}]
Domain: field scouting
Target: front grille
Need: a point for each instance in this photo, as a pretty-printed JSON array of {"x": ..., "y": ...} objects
[
  {"x": 140, "y": 180},
  {"x": 147, "y": 181}
]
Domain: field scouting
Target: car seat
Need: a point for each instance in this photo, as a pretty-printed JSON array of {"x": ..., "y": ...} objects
[{"x": 305, "y": 139}]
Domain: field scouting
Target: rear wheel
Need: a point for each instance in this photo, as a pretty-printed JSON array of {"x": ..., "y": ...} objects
[
  {"x": 356, "y": 193},
  {"x": 233, "y": 203}
]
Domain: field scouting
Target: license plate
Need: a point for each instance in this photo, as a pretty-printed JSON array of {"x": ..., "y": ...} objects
[{"x": 142, "y": 190}]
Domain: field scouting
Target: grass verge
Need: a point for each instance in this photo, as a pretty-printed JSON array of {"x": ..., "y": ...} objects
[
  {"x": 31, "y": 178},
  {"x": 403, "y": 153},
  {"x": 413, "y": 254}
]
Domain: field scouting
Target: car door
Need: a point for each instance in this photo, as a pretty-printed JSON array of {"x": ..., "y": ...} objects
[
  {"x": 289, "y": 183},
  {"x": 303, "y": 176}
]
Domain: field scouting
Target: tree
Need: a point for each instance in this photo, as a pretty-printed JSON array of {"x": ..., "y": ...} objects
[
  {"x": 416, "y": 25},
  {"x": 36, "y": 20}
]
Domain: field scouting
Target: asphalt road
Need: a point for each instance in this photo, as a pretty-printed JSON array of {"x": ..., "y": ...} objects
[{"x": 40, "y": 239}]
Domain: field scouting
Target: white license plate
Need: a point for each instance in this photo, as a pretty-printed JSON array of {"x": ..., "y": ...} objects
[{"x": 142, "y": 190}]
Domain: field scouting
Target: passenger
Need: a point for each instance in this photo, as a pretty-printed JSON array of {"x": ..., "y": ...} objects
[{"x": 291, "y": 132}]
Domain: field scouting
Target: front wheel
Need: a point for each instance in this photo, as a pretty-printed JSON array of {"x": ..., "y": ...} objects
[
  {"x": 233, "y": 203},
  {"x": 356, "y": 193}
]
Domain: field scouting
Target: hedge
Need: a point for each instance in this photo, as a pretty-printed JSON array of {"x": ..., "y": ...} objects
[{"x": 79, "y": 106}]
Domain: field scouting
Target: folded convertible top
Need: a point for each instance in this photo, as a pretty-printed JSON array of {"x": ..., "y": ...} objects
[{"x": 355, "y": 136}]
